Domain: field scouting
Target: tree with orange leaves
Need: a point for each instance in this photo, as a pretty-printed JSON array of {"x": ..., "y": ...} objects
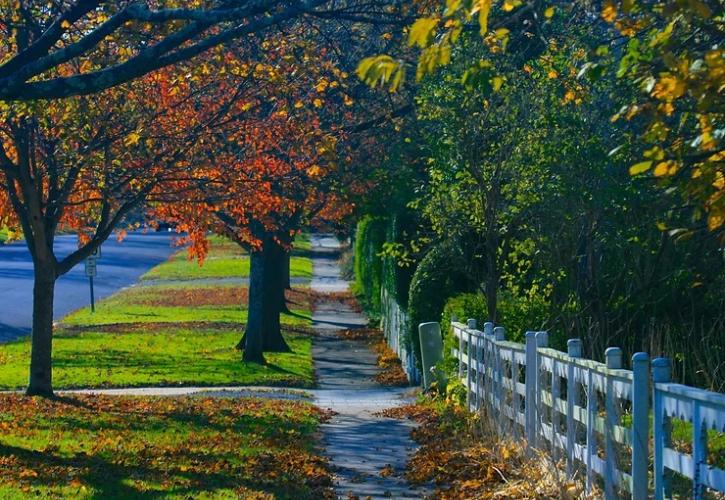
[
  {"x": 276, "y": 162},
  {"x": 84, "y": 164}
]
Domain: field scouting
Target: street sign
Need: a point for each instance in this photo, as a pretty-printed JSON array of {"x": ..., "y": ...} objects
[
  {"x": 91, "y": 267},
  {"x": 96, "y": 254}
]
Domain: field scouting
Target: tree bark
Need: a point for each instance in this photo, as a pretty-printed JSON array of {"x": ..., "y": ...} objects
[
  {"x": 41, "y": 361},
  {"x": 254, "y": 335},
  {"x": 274, "y": 289},
  {"x": 287, "y": 270}
]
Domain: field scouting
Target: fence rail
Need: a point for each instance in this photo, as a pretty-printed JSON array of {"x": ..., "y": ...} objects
[{"x": 594, "y": 416}]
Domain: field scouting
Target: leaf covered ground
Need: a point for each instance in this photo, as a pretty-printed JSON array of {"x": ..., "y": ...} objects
[
  {"x": 391, "y": 370},
  {"x": 462, "y": 460},
  {"x": 134, "y": 447}
]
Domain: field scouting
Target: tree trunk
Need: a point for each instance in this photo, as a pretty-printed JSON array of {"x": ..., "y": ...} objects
[
  {"x": 266, "y": 299},
  {"x": 287, "y": 270},
  {"x": 254, "y": 335},
  {"x": 274, "y": 289},
  {"x": 41, "y": 364}
]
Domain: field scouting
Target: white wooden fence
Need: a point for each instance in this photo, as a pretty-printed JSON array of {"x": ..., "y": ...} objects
[
  {"x": 595, "y": 417},
  {"x": 395, "y": 327}
]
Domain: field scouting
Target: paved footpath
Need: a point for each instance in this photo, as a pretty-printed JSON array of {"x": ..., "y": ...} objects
[{"x": 360, "y": 444}]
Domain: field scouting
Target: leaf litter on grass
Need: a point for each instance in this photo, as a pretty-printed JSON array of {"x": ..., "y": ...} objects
[{"x": 131, "y": 447}]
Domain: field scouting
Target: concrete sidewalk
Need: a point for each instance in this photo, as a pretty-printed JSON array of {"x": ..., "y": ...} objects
[{"x": 360, "y": 444}]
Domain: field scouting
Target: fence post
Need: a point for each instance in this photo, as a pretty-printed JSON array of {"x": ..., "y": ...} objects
[
  {"x": 662, "y": 428},
  {"x": 640, "y": 425},
  {"x": 613, "y": 356},
  {"x": 574, "y": 350},
  {"x": 530, "y": 382},
  {"x": 431, "y": 352},
  {"x": 592, "y": 411},
  {"x": 471, "y": 325},
  {"x": 487, "y": 365},
  {"x": 499, "y": 334},
  {"x": 542, "y": 340},
  {"x": 699, "y": 451}
]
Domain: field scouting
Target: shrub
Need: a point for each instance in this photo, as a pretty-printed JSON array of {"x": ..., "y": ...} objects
[
  {"x": 517, "y": 314},
  {"x": 368, "y": 264},
  {"x": 436, "y": 278}
]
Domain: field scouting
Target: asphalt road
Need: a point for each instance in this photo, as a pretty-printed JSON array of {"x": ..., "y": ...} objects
[{"x": 120, "y": 266}]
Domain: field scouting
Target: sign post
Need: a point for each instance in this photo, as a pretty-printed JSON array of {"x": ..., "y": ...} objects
[{"x": 92, "y": 272}]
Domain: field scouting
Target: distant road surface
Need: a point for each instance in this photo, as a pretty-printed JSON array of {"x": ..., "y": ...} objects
[{"x": 120, "y": 266}]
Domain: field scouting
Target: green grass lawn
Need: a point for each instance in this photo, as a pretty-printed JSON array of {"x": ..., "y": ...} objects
[
  {"x": 168, "y": 335},
  {"x": 167, "y": 356},
  {"x": 225, "y": 260},
  {"x": 176, "y": 304},
  {"x": 177, "y": 448}
]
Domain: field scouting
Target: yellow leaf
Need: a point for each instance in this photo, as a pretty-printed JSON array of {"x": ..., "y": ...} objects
[
  {"x": 65, "y": 24},
  {"x": 552, "y": 74},
  {"x": 422, "y": 31},
  {"x": 664, "y": 168},
  {"x": 609, "y": 11},
  {"x": 132, "y": 139},
  {"x": 549, "y": 13},
  {"x": 640, "y": 167},
  {"x": 497, "y": 82},
  {"x": 317, "y": 103},
  {"x": 299, "y": 104},
  {"x": 715, "y": 220},
  {"x": 483, "y": 7}
]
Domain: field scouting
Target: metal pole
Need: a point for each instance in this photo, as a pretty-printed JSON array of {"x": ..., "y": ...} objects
[{"x": 93, "y": 297}]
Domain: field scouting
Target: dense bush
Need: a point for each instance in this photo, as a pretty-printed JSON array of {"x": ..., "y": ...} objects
[
  {"x": 517, "y": 315},
  {"x": 398, "y": 270},
  {"x": 368, "y": 264},
  {"x": 437, "y": 277}
]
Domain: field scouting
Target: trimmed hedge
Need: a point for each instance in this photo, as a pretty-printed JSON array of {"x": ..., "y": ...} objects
[
  {"x": 368, "y": 264},
  {"x": 396, "y": 278}
]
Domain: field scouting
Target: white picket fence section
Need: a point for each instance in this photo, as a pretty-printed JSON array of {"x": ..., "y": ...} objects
[
  {"x": 395, "y": 325},
  {"x": 594, "y": 416}
]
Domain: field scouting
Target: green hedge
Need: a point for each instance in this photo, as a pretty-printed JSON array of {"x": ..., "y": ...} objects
[
  {"x": 397, "y": 278},
  {"x": 368, "y": 264},
  {"x": 516, "y": 314}
]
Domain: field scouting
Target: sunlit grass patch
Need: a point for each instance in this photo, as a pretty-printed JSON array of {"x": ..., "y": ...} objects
[
  {"x": 225, "y": 260},
  {"x": 159, "y": 355},
  {"x": 179, "y": 303},
  {"x": 126, "y": 447}
]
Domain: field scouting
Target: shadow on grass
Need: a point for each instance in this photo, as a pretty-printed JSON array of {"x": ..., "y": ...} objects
[
  {"x": 189, "y": 468},
  {"x": 117, "y": 480},
  {"x": 297, "y": 315}
]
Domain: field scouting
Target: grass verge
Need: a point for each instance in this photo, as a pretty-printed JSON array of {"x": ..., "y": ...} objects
[
  {"x": 225, "y": 260},
  {"x": 179, "y": 334},
  {"x": 125, "y": 447}
]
